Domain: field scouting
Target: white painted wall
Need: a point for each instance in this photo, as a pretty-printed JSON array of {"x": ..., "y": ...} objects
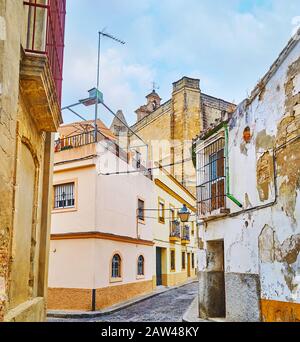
[
  {"x": 241, "y": 241},
  {"x": 106, "y": 204}
]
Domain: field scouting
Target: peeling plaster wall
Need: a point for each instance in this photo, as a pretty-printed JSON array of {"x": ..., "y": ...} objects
[
  {"x": 25, "y": 159},
  {"x": 266, "y": 241}
]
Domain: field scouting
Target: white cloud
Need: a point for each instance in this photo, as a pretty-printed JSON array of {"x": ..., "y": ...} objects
[
  {"x": 228, "y": 49},
  {"x": 119, "y": 81}
]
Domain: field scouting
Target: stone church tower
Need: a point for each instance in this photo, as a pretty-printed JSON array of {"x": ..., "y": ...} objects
[
  {"x": 153, "y": 102},
  {"x": 169, "y": 128}
]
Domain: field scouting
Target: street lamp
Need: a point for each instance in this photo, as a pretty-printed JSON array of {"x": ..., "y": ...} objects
[{"x": 184, "y": 214}]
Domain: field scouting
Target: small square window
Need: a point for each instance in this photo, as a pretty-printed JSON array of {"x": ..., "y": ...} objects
[
  {"x": 183, "y": 260},
  {"x": 161, "y": 211},
  {"x": 141, "y": 210},
  {"x": 64, "y": 197},
  {"x": 172, "y": 260}
]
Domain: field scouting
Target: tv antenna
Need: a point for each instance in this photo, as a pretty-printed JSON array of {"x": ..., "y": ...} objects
[{"x": 101, "y": 34}]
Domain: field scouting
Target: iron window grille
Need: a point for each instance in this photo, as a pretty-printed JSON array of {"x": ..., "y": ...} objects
[
  {"x": 64, "y": 196},
  {"x": 211, "y": 177},
  {"x": 116, "y": 266},
  {"x": 141, "y": 263}
]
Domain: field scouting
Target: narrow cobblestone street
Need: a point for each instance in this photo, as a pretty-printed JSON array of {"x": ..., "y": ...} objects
[{"x": 166, "y": 307}]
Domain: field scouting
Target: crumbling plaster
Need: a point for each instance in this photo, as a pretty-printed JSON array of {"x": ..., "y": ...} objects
[{"x": 273, "y": 118}]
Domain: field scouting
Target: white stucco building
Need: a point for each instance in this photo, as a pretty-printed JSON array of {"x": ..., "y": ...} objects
[
  {"x": 101, "y": 250},
  {"x": 248, "y": 189}
]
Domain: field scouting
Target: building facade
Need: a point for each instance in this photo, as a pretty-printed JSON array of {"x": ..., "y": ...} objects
[
  {"x": 248, "y": 174},
  {"x": 176, "y": 243},
  {"x": 169, "y": 128},
  {"x": 101, "y": 250},
  {"x": 31, "y": 60}
]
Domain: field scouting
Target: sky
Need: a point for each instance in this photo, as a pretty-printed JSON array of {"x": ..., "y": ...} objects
[{"x": 229, "y": 45}]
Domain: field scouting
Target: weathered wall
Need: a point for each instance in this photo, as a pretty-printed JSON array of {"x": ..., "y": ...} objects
[
  {"x": 25, "y": 155},
  {"x": 10, "y": 16},
  {"x": 262, "y": 243}
]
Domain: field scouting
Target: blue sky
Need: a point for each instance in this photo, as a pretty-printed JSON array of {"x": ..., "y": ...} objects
[{"x": 228, "y": 44}]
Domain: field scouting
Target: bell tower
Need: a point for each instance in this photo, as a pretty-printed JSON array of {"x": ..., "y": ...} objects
[{"x": 153, "y": 103}]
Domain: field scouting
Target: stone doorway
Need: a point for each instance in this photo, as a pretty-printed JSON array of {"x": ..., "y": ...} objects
[{"x": 212, "y": 294}]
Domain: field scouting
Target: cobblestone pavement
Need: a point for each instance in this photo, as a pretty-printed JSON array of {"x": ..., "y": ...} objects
[{"x": 166, "y": 307}]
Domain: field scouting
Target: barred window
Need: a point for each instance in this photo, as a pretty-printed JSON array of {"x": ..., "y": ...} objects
[
  {"x": 64, "y": 196},
  {"x": 211, "y": 177},
  {"x": 141, "y": 262},
  {"x": 116, "y": 266}
]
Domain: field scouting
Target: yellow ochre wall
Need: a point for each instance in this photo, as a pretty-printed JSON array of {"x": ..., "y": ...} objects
[{"x": 173, "y": 195}]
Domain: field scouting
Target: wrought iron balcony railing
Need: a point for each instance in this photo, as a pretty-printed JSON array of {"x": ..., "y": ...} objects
[
  {"x": 87, "y": 138},
  {"x": 46, "y": 34}
]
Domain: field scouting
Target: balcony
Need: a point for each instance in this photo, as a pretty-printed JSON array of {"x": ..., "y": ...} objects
[
  {"x": 186, "y": 236},
  {"x": 84, "y": 144},
  {"x": 45, "y": 35},
  {"x": 42, "y": 62},
  {"x": 175, "y": 234},
  {"x": 211, "y": 179}
]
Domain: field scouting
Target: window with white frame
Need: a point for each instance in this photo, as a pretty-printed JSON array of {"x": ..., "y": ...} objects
[{"x": 64, "y": 196}]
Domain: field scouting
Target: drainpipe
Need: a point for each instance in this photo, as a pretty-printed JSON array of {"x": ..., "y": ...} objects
[
  {"x": 93, "y": 300},
  {"x": 227, "y": 173}
]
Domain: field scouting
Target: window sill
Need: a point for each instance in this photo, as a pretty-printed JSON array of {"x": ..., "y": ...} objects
[
  {"x": 66, "y": 210},
  {"x": 115, "y": 280},
  {"x": 140, "y": 277},
  {"x": 143, "y": 222}
]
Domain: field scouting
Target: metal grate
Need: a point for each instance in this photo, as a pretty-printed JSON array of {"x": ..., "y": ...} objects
[
  {"x": 211, "y": 177},
  {"x": 49, "y": 14},
  {"x": 64, "y": 196}
]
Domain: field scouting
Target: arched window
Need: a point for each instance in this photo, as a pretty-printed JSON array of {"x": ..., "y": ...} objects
[
  {"x": 141, "y": 262},
  {"x": 116, "y": 266}
]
